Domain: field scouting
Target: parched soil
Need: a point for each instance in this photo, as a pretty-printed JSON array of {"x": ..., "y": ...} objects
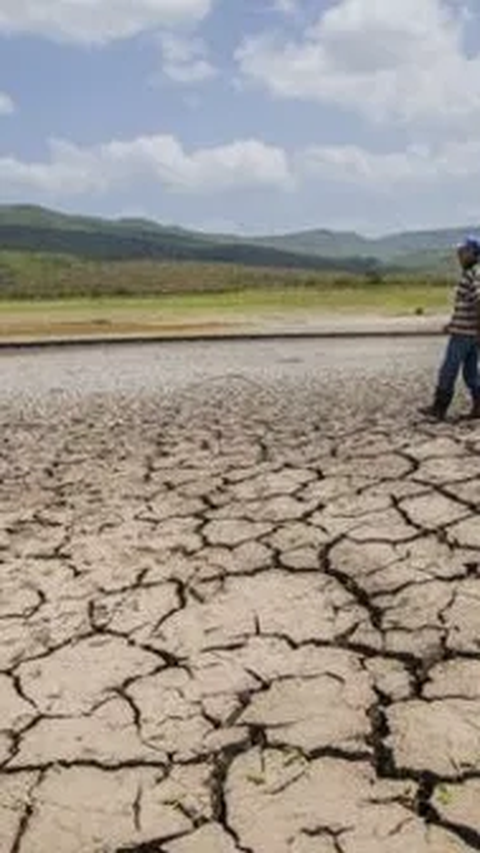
[{"x": 239, "y": 619}]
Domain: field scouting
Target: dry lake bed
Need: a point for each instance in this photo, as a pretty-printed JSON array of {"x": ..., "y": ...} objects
[{"x": 239, "y": 601}]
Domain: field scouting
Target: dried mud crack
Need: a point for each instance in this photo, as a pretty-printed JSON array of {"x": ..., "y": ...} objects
[{"x": 240, "y": 619}]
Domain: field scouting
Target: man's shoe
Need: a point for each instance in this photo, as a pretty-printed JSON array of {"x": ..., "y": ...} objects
[
  {"x": 433, "y": 413},
  {"x": 438, "y": 410}
]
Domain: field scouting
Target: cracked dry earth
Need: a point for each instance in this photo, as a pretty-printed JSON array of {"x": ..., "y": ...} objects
[{"x": 239, "y": 619}]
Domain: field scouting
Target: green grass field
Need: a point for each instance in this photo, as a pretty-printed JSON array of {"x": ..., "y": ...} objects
[
  {"x": 48, "y": 295},
  {"x": 210, "y": 312}
]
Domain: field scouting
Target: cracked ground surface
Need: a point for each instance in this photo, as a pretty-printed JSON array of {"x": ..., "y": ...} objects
[{"x": 239, "y": 617}]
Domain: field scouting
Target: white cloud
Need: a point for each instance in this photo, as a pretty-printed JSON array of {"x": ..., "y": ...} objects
[
  {"x": 327, "y": 186},
  {"x": 185, "y": 59},
  {"x": 97, "y": 21},
  {"x": 420, "y": 186},
  {"x": 415, "y": 166},
  {"x": 72, "y": 170},
  {"x": 246, "y": 164},
  {"x": 390, "y": 60},
  {"x": 351, "y": 164},
  {"x": 285, "y": 7},
  {"x": 7, "y": 106}
]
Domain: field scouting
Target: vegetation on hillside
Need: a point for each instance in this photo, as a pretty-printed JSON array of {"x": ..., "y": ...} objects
[
  {"x": 30, "y": 229},
  {"x": 49, "y": 255},
  {"x": 64, "y": 276},
  {"x": 34, "y": 276}
]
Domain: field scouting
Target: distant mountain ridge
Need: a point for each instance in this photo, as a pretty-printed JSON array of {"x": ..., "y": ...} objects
[
  {"x": 401, "y": 247},
  {"x": 27, "y": 228},
  {"x": 31, "y": 228}
]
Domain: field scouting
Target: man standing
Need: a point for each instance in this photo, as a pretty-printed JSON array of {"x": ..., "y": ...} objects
[{"x": 464, "y": 330}]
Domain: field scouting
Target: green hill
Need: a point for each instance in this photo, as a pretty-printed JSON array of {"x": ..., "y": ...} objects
[
  {"x": 31, "y": 229},
  {"x": 410, "y": 249},
  {"x": 35, "y": 229},
  {"x": 336, "y": 244}
]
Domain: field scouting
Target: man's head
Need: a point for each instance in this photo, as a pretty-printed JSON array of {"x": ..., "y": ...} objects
[{"x": 469, "y": 252}]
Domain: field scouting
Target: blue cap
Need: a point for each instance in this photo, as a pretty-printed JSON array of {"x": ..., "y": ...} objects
[{"x": 470, "y": 243}]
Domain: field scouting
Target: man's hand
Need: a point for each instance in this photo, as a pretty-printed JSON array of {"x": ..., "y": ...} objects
[{"x": 446, "y": 329}]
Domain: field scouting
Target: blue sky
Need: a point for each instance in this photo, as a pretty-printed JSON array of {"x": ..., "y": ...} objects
[{"x": 244, "y": 115}]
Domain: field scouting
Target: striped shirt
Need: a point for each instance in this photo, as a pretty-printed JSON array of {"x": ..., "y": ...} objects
[{"x": 466, "y": 312}]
